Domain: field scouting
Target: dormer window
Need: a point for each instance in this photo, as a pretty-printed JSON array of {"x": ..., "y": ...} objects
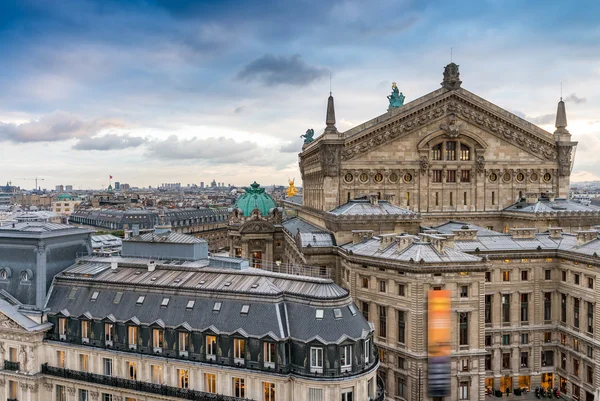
[{"x": 25, "y": 276}]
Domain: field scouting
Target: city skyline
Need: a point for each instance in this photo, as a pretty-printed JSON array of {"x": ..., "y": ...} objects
[{"x": 155, "y": 92}]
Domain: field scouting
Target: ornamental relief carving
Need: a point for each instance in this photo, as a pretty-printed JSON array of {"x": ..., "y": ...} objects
[
  {"x": 8, "y": 323},
  {"x": 451, "y": 128}
]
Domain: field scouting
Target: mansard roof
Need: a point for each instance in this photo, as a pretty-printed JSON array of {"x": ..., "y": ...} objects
[{"x": 558, "y": 205}]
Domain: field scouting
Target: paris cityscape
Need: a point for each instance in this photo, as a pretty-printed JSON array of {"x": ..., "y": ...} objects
[{"x": 299, "y": 201}]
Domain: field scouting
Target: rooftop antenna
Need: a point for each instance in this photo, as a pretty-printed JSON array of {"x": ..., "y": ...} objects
[
  {"x": 450, "y": 54},
  {"x": 561, "y": 91},
  {"x": 329, "y": 83}
]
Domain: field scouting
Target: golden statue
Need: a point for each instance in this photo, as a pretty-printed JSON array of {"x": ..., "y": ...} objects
[{"x": 291, "y": 191}]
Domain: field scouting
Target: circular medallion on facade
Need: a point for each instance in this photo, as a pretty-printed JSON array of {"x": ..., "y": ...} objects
[
  {"x": 364, "y": 177},
  {"x": 393, "y": 177},
  {"x": 547, "y": 177},
  {"x": 520, "y": 177},
  {"x": 506, "y": 177},
  {"x": 348, "y": 177},
  {"x": 533, "y": 177},
  {"x": 408, "y": 177},
  {"x": 493, "y": 177},
  {"x": 378, "y": 177}
]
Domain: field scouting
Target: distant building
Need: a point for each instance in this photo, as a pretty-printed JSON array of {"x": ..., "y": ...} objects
[
  {"x": 202, "y": 184},
  {"x": 68, "y": 188},
  {"x": 65, "y": 204},
  {"x": 125, "y": 187},
  {"x": 117, "y": 186},
  {"x": 59, "y": 188}
]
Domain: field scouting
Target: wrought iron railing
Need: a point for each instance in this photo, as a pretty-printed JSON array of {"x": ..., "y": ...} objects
[
  {"x": 135, "y": 385},
  {"x": 380, "y": 396},
  {"x": 8, "y": 365}
]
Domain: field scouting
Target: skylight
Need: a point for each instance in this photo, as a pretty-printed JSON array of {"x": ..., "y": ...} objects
[
  {"x": 245, "y": 309},
  {"x": 217, "y": 307},
  {"x": 190, "y": 304},
  {"x": 352, "y": 309},
  {"x": 118, "y": 297},
  {"x": 72, "y": 293},
  {"x": 140, "y": 299},
  {"x": 337, "y": 313},
  {"x": 95, "y": 295},
  {"x": 227, "y": 284},
  {"x": 165, "y": 302},
  {"x": 254, "y": 286},
  {"x": 319, "y": 314}
]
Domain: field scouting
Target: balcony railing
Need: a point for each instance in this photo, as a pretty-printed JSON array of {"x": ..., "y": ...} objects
[
  {"x": 285, "y": 369},
  {"x": 135, "y": 385},
  {"x": 8, "y": 365},
  {"x": 380, "y": 396}
]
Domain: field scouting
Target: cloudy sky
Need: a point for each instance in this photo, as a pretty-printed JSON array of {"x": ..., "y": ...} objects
[{"x": 155, "y": 91}]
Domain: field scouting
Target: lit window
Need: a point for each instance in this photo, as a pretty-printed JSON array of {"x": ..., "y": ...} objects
[
  {"x": 346, "y": 358},
  {"x": 269, "y": 391},
  {"x": 239, "y": 347},
  {"x": 239, "y": 389},
  {"x": 211, "y": 383},
  {"x": 132, "y": 370},
  {"x": 157, "y": 374},
  {"x": 183, "y": 378},
  {"x": 211, "y": 345},
  {"x": 60, "y": 359}
]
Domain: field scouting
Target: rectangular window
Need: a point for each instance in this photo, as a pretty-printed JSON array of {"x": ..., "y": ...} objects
[
  {"x": 547, "y": 358},
  {"x": 367, "y": 350},
  {"x": 590, "y": 317},
  {"x": 589, "y": 376},
  {"x": 493, "y": 198},
  {"x": 269, "y": 353},
  {"x": 464, "y": 198},
  {"x": 365, "y": 282},
  {"x": 184, "y": 341},
  {"x": 107, "y": 397},
  {"x": 505, "y": 339},
  {"x": 563, "y": 308},
  {"x": 488, "y": 309},
  {"x": 437, "y": 199},
  {"x": 524, "y": 359},
  {"x": 346, "y": 358},
  {"x": 548, "y": 274},
  {"x": 465, "y": 176},
  {"x": 239, "y": 347},
  {"x": 463, "y": 365},
  {"x": 451, "y": 176},
  {"x": 157, "y": 374},
  {"x": 211, "y": 345},
  {"x": 408, "y": 199},
  {"x": 488, "y": 341},
  {"x": 401, "y": 363},
  {"x": 563, "y": 275},
  {"x": 464, "y": 291},
  {"x": 563, "y": 361},
  {"x": 450, "y": 150},
  {"x": 382, "y": 321},
  {"x": 239, "y": 388},
  {"x": 436, "y": 152},
  {"x": 401, "y": 290},
  {"x": 524, "y": 308},
  {"x": 61, "y": 394},
  {"x": 463, "y": 327},
  {"x": 183, "y": 378},
  {"x": 62, "y": 327},
  {"x": 401, "y": 387},
  {"x": 365, "y": 310},
  {"x": 85, "y": 329},
  {"x": 505, "y": 308},
  {"x": 158, "y": 339},
  {"x": 488, "y": 277},
  {"x": 381, "y": 285},
  {"x": 576, "y": 312},
  {"x": 132, "y": 336},
  {"x": 108, "y": 333},
  {"x": 524, "y": 338},
  {"x": 488, "y": 362},
  {"x": 436, "y": 175},
  {"x": 463, "y": 391},
  {"x": 506, "y": 360},
  {"x": 506, "y": 275},
  {"x": 576, "y": 279},
  {"x": 316, "y": 360},
  {"x": 576, "y": 367},
  {"x": 524, "y": 275},
  {"x": 107, "y": 363},
  {"x": 547, "y": 306},
  {"x": 211, "y": 383},
  {"x": 269, "y": 391},
  {"x": 590, "y": 283},
  {"x": 60, "y": 359},
  {"x": 547, "y": 337},
  {"x": 451, "y": 199},
  {"x": 83, "y": 362},
  {"x": 348, "y": 394},
  {"x": 132, "y": 370},
  {"x": 83, "y": 395},
  {"x": 402, "y": 326}
]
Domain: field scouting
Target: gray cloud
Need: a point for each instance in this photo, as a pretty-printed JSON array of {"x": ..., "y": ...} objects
[
  {"x": 292, "y": 147},
  {"x": 573, "y": 98},
  {"x": 543, "y": 119},
  {"x": 58, "y": 126},
  {"x": 110, "y": 142},
  {"x": 211, "y": 150},
  {"x": 239, "y": 109},
  {"x": 274, "y": 70}
]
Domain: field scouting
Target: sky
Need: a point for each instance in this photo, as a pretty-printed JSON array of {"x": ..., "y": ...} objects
[{"x": 155, "y": 91}]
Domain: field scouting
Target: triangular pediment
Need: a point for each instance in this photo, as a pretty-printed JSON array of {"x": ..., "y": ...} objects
[
  {"x": 8, "y": 323},
  {"x": 447, "y": 112}
]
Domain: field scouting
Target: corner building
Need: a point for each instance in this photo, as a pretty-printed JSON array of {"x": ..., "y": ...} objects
[{"x": 451, "y": 192}]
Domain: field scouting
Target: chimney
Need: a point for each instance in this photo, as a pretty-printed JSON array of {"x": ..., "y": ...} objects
[
  {"x": 551, "y": 196},
  {"x": 583, "y": 237},
  {"x": 151, "y": 265},
  {"x": 114, "y": 265},
  {"x": 465, "y": 234},
  {"x": 359, "y": 236},
  {"x": 448, "y": 240},
  {"x": 532, "y": 197},
  {"x": 386, "y": 240},
  {"x": 404, "y": 241},
  {"x": 555, "y": 232},
  {"x": 523, "y": 233}
]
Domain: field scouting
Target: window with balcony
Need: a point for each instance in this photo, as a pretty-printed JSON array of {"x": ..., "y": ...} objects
[
  {"x": 316, "y": 360},
  {"x": 85, "y": 331},
  {"x": 239, "y": 349},
  {"x": 239, "y": 388},
  {"x": 211, "y": 383},
  {"x": 211, "y": 347},
  {"x": 184, "y": 343},
  {"x": 60, "y": 359},
  {"x": 132, "y": 336},
  {"x": 269, "y": 354},
  {"x": 108, "y": 367},
  {"x": 269, "y": 391},
  {"x": 158, "y": 340},
  {"x": 183, "y": 378},
  {"x": 62, "y": 328},
  {"x": 132, "y": 370},
  {"x": 157, "y": 374},
  {"x": 346, "y": 358},
  {"x": 83, "y": 362},
  {"x": 108, "y": 333}
]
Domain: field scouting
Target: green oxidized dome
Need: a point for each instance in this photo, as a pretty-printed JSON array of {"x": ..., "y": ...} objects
[
  {"x": 65, "y": 197},
  {"x": 255, "y": 197}
]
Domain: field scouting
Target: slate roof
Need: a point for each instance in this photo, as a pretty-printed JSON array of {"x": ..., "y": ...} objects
[
  {"x": 105, "y": 240},
  {"x": 363, "y": 207},
  {"x": 38, "y": 228},
  {"x": 168, "y": 237},
  {"x": 12, "y": 312},
  {"x": 277, "y": 301},
  {"x": 447, "y": 228},
  {"x": 310, "y": 234}
]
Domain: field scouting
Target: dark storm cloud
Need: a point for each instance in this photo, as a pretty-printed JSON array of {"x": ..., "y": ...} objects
[
  {"x": 109, "y": 142},
  {"x": 274, "y": 70},
  {"x": 58, "y": 126},
  {"x": 573, "y": 98}
]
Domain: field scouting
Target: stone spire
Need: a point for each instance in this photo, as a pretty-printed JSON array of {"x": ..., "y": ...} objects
[
  {"x": 561, "y": 132},
  {"x": 330, "y": 120}
]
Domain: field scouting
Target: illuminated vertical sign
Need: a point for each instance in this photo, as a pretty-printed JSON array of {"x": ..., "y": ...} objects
[{"x": 438, "y": 343}]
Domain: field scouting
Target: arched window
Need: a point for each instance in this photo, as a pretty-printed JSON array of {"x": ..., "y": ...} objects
[
  {"x": 25, "y": 276},
  {"x": 436, "y": 152},
  {"x": 3, "y": 274}
]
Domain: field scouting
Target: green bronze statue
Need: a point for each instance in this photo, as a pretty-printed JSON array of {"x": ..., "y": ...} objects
[
  {"x": 396, "y": 98},
  {"x": 308, "y": 137}
]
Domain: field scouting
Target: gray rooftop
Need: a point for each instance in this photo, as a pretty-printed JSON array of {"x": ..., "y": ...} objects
[
  {"x": 557, "y": 205},
  {"x": 364, "y": 207},
  {"x": 39, "y": 228},
  {"x": 447, "y": 228},
  {"x": 309, "y": 234},
  {"x": 167, "y": 237}
]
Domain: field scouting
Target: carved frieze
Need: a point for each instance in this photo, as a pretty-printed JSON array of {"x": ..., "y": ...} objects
[
  {"x": 330, "y": 161},
  {"x": 480, "y": 164},
  {"x": 8, "y": 323}
]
